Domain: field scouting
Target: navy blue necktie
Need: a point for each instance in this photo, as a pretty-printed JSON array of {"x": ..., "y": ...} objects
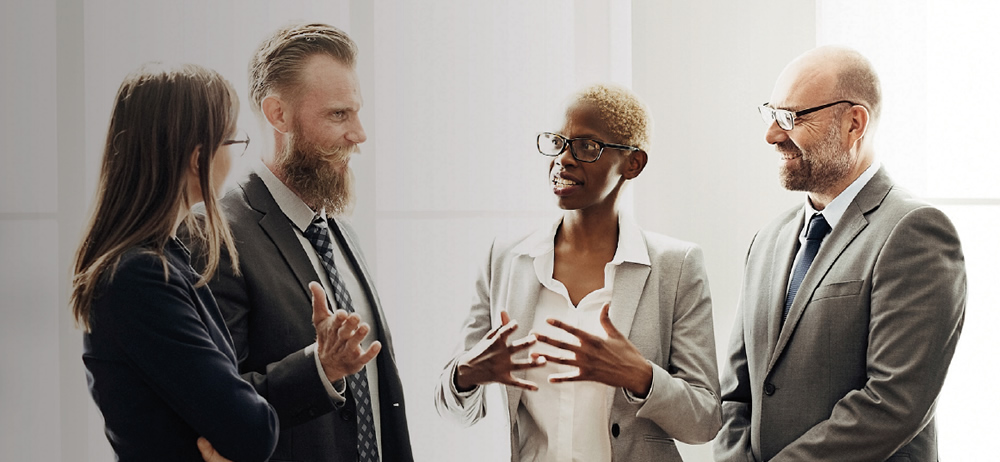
[
  {"x": 318, "y": 234},
  {"x": 818, "y": 228}
]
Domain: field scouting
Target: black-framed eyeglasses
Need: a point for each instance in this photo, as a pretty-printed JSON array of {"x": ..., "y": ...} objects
[
  {"x": 241, "y": 138},
  {"x": 582, "y": 149},
  {"x": 786, "y": 118}
]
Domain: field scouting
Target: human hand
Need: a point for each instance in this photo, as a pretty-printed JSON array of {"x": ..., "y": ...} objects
[
  {"x": 338, "y": 338},
  {"x": 492, "y": 360},
  {"x": 613, "y": 361},
  {"x": 209, "y": 453}
]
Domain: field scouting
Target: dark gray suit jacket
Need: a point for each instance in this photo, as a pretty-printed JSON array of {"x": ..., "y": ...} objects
[
  {"x": 856, "y": 369},
  {"x": 269, "y": 313}
]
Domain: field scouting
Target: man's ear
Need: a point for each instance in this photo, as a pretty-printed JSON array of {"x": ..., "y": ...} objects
[
  {"x": 635, "y": 162},
  {"x": 276, "y": 113},
  {"x": 858, "y": 123}
]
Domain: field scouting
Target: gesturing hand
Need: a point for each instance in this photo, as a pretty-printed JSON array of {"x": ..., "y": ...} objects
[
  {"x": 338, "y": 338},
  {"x": 491, "y": 360},
  {"x": 209, "y": 453},
  {"x": 612, "y": 361}
]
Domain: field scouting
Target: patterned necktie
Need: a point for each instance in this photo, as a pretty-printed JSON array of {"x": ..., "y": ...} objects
[
  {"x": 818, "y": 227},
  {"x": 318, "y": 234}
]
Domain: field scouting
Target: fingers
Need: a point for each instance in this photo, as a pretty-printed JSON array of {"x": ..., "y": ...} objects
[
  {"x": 571, "y": 376},
  {"x": 506, "y": 330},
  {"x": 520, "y": 383},
  {"x": 557, "y": 343},
  {"x": 606, "y": 322},
  {"x": 576, "y": 332},
  {"x": 208, "y": 453},
  {"x": 370, "y": 354},
  {"x": 504, "y": 317},
  {"x": 522, "y": 344},
  {"x": 320, "y": 311},
  {"x": 535, "y": 361},
  {"x": 504, "y": 320},
  {"x": 558, "y": 359}
]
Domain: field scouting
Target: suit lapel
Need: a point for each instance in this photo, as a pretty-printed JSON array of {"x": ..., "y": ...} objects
[
  {"x": 522, "y": 297},
  {"x": 630, "y": 281},
  {"x": 850, "y": 225},
  {"x": 277, "y": 227},
  {"x": 781, "y": 266}
]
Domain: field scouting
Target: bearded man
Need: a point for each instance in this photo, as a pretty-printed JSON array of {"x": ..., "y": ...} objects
[
  {"x": 853, "y": 302},
  {"x": 335, "y": 386}
]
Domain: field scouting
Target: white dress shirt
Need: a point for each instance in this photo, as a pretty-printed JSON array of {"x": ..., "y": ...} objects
[
  {"x": 568, "y": 422},
  {"x": 300, "y": 216}
]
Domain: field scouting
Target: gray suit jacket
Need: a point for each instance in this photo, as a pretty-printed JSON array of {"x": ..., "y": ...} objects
[
  {"x": 855, "y": 371},
  {"x": 269, "y": 313},
  {"x": 664, "y": 309}
]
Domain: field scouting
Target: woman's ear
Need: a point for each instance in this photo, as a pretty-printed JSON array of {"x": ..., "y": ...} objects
[
  {"x": 193, "y": 168},
  {"x": 635, "y": 162}
]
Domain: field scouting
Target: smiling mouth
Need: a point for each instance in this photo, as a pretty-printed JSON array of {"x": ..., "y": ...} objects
[
  {"x": 562, "y": 182},
  {"x": 790, "y": 155}
]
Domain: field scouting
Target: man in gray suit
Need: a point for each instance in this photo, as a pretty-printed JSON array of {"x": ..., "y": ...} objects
[
  {"x": 335, "y": 387},
  {"x": 851, "y": 304}
]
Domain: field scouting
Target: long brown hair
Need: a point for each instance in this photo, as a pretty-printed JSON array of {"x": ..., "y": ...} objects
[{"x": 162, "y": 115}]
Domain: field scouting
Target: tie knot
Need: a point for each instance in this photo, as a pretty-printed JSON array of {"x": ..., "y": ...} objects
[{"x": 818, "y": 227}]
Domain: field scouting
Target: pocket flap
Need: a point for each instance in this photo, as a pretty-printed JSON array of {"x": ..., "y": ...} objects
[{"x": 838, "y": 289}]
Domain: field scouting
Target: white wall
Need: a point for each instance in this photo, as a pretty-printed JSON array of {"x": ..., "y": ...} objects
[
  {"x": 704, "y": 67},
  {"x": 454, "y": 93}
]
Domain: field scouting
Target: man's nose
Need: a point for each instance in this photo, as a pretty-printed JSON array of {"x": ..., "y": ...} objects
[
  {"x": 775, "y": 134},
  {"x": 356, "y": 133}
]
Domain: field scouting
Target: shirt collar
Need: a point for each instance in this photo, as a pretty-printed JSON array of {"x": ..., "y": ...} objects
[
  {"x": 838, "y": 206},
  {"x": 631, "y": 244},
  {"x": 290, "y": 204}
]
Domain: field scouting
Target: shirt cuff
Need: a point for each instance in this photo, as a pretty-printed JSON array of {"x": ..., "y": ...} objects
[
  {"x": 337, "y": 389},
  {"x": 632, "y": 398}
]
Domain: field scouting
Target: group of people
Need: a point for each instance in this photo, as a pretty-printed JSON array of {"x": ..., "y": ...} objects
[{"x": 245, "y": 325}]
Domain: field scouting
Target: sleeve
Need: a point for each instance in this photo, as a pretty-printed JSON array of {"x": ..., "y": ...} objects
[
  {"x": 733, "y": 441},
  {"x": 163, "y": 336},
  {"x": 917, "y": 311},
  {"x": 684, "y": 397},
  {"x": 469, "y": 407},
  {"x": 293, "y": 385}
]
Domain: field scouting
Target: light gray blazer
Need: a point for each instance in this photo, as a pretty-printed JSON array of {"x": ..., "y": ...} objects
[
  {"x": 855, "y": 371},
  {"x": 665, "y": 309}
]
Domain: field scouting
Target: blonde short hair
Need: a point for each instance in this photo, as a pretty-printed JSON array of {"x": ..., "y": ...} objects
[{"x": 626, "y": 117}]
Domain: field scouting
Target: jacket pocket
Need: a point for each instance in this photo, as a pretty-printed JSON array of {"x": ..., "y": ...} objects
[
  {"x": 838, "y": 289},
  {"x": 659, "y": 439}
]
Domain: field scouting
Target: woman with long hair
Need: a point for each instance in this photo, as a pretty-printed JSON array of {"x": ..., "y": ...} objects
[
  {"x": 159, "y": 359},
  {"x": 614, "y": 352}
]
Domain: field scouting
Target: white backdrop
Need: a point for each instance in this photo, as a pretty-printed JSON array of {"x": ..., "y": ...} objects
[{"x": 454, "y": 93}]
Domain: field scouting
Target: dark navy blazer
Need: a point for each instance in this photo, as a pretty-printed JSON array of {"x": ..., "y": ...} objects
[{"x": 161, "y": 368}]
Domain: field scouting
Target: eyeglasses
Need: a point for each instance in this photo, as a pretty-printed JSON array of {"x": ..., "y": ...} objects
[
  {"x": 582, "y": 149},
  {"x": 242, "y": 138},
  {"x": 786, "y": 118}
]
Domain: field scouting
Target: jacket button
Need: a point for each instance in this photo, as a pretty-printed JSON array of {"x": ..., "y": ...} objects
[
  {"x": 346, "y": 415},
  {"x": 769, "y": 389},
  {"x": 615, "y": 430}
]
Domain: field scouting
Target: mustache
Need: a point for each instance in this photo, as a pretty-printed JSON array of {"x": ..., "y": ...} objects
[{"x": 787, "y": 147}]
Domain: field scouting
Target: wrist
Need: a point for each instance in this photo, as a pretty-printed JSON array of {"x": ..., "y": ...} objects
[{"x": 641, "y": 380}]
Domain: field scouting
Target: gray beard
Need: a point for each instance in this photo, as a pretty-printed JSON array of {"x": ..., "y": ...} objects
[{"x": 820, "y": 168}]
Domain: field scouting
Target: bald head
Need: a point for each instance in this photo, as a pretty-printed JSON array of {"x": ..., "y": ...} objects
[{"x": 833, "y": 73}]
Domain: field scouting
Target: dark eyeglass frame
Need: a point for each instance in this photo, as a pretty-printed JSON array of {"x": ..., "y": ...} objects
[
  {"x": 770, "y": 114},
  {"x": 245, "y": 142},
  {"x": 568, "y": 142}
]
